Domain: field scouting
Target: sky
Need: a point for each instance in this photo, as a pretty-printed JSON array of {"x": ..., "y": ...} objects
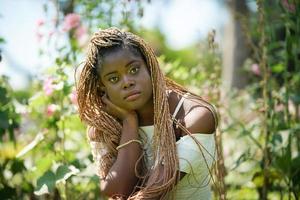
[{"x": 183, "y": 22}]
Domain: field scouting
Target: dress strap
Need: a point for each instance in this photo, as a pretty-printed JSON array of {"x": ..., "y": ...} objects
[{"x": 179, "y": 105}]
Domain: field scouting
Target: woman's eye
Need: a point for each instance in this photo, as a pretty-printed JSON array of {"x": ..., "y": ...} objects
[
  {"x": 113, "y": 79},
  {"x": 134, "y": 70}
]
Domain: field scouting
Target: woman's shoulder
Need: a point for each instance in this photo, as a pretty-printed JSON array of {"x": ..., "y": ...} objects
[
  {"x": 198, "y": 115},
  {"x": 195, "y": 113}
]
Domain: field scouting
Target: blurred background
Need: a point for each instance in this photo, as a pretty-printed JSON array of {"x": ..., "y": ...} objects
[{"x": 241, "y": 55}]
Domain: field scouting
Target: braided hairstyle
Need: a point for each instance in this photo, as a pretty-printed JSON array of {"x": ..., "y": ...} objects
[{"x": 108, "y": 129}]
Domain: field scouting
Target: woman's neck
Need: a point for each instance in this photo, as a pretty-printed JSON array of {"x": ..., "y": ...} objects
[{"x": 146, "y": 114}]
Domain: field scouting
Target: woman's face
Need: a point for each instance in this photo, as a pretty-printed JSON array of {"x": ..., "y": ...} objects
[{"x": 126, "y": 79}]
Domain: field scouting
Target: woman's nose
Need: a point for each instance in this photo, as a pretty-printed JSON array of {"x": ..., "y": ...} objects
[{"x": 128, "y": 82}]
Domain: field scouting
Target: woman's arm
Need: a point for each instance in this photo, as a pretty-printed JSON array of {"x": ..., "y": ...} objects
[{"x": 121, "y": 178}]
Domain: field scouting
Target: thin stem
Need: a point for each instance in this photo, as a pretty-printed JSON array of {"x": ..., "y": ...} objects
[
  {"x": 286, "y": 73},
  {"x": 263, "y": 65},
  {"x": 221, "y": 170}
]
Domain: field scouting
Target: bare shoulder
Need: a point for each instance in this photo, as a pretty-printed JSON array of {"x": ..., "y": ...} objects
[{"x": 198, "y": 118}]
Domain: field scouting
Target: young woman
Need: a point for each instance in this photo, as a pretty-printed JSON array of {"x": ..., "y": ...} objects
[{"x": 150, "y": 137}]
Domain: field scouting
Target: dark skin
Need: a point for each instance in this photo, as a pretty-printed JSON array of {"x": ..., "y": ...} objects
[{"x": 124, "y": 73}]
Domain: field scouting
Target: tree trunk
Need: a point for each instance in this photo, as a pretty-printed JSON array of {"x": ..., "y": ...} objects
[{"x": 235, "y": 50}]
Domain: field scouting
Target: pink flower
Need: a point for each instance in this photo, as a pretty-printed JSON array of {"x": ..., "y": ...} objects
[
  {"x": 80, "y": 32},
  {"x": 48, "y": 86},
  {"x": 51, "y": 109},
  {"x": 71, "y": 21},
  {"x": 39, "y": 36},
  {"x": 255, "y": 69},
  {"x": 290, "y": 6},
  {"x": 40, "y": 22},
  {"x": 73, "y": 97},
  {"x": 81, "y": 35},
  {"x": 51, "y": 33}
]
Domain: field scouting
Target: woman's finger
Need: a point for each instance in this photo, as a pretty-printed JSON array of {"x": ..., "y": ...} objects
[
  {"x": 107, "y": 101},
  {"x": 109, "y": 106},
  {"x": 113, "y": 109}
]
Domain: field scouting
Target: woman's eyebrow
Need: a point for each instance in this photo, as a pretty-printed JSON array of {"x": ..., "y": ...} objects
[
  {"x": 130, "y": 62},
  {"x": 110, "y": 73},
  {"x": 127, "y": 65}
]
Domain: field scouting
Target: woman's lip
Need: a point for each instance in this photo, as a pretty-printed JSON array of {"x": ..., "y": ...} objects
[{"x": 133, "y": 96}]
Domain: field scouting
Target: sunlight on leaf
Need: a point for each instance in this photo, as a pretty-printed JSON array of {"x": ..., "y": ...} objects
[
  {"x": 42, "y": 190},
  {"x": 31, "y": 145},
  {"x": 45, "y": 183},
  {"x": 63, "y": 172}
]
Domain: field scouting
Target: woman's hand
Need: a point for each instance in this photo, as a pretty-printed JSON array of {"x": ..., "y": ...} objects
[
  {"x": 121, "y": 178},
  {"x": 117, "y": 111}
]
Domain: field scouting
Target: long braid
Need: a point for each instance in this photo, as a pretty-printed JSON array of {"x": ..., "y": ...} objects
[{"x": 90, "y": 111}]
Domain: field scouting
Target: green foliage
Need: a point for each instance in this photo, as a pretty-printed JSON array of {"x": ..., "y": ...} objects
[
  {"x": 203, "y": 78},
  {"x": 268, "y": 127},
  {"x": 44, "y": 151},
  {"x": 9, "y": 119},
  {"x": 46, "y": 183}
]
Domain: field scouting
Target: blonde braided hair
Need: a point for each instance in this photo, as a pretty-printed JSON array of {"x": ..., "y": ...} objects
[{"x": 90, "y": 111}]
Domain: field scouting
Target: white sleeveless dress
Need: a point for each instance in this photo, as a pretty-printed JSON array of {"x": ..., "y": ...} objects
[{"x": 196, "y": 163}]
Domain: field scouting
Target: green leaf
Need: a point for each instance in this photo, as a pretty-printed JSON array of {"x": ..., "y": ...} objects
[
  {"x": 7, "y": 192},
  {"x": 289, "y": 45},
  {"x": 4, "y": 119},
  {"x": 2, "y": 40},
  {"x": 276, "y": 139},
  {"x": 278, "y": 68},
  {"x": 258, "y": 179},
  {"x": 45, "y": 183},
  {"x": 38, "y": 100},
  {"x": 243, "y": 157},
  {"x": 272, "y": 174},
  {"x": 63, "y": 172},
  {"x": 17, "y": 166},
  {"x": 45, "y": 162},
  {"x": 3, "y": 96},
  {"x": 284, "y": 161},
  {"x": 296, "y": 98},
  {"x": 72, "y": 122},
  {"x": 296, "y": 171}
]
